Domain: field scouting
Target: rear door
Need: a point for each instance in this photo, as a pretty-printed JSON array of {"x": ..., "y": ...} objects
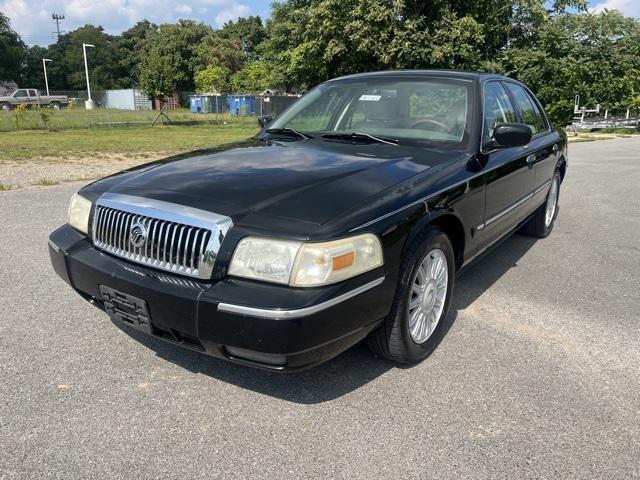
[
  {"x": 33, "y": 97},
  {"x": 508, "y": 177}
]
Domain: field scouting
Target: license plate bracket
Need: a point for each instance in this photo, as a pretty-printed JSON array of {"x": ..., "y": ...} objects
[{"x": 126, "y": 308}]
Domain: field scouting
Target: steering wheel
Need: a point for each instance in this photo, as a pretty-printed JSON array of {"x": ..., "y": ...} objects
[{"x": 429, "y": 120}]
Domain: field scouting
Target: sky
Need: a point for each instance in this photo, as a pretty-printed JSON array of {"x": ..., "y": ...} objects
[{"x": 32, "y": 18}]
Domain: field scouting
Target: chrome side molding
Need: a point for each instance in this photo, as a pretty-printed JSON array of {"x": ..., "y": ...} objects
[{"x": 512, "y": 207}]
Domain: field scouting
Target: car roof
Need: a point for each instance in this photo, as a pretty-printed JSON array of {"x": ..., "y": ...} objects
[{"x": 454, "y": 74}]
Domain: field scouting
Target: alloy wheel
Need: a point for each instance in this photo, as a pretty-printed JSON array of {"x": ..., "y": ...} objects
[{"x": 428, "y": 295}]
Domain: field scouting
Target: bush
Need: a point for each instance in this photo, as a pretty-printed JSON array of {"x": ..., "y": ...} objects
[
  {"x": 46, "y": 114},
  {"x": 18, "y": 115}
]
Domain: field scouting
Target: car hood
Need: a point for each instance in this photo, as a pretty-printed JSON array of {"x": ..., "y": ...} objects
[{"x": 307, "y": 181}]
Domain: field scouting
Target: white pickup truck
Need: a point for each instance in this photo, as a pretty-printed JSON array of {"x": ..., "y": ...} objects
[{"x": 31, "y": 96}]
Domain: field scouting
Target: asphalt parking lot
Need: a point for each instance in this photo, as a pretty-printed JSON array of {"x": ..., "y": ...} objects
[{"x": 539, "y": 375}]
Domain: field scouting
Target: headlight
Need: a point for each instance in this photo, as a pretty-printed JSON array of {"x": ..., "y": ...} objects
[
  {"x": 306, "y": 264},
  {"x": 79, "y": 209}
]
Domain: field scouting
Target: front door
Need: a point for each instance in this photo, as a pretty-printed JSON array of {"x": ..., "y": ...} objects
[
  {"x": 544, "y": 143},
  {"x": 21, "y": 96},
  {"x": 508, "y": 176}
]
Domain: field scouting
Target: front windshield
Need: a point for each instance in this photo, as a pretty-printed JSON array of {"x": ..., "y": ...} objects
[{"x": 432, "y": 110}]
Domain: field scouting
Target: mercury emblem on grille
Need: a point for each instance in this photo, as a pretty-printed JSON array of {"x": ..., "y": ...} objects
[
  {"x": 159, "y": 234},
  {"x": 138, "y": 235}
]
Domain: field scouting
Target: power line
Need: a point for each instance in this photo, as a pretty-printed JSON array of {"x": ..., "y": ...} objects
[{"x": 57, "y": 18}]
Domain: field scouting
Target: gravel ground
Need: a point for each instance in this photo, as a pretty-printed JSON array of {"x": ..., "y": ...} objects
[
  {"x": 16, "y": 174},
  {"x": 538, "y": 377}
]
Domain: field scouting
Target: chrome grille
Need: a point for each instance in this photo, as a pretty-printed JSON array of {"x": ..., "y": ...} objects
[{"x": 159, "y": 234}]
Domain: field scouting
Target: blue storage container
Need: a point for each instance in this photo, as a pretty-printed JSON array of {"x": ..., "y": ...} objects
[
  {"x": 193, "y": 107},
  {"x": 241, "y": 104},
  {"x": 195, "y": 103},
  {"x": 202, "y": 103}
]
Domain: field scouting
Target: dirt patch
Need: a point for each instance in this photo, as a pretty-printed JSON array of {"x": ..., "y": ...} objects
[{"x": 15, "y": 174}]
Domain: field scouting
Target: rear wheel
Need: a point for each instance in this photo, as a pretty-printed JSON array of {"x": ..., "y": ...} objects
[
  {"x": 417, "y": 320},
  {"x": 55, "y": 105},
  {"x": 541, "y": 223}
]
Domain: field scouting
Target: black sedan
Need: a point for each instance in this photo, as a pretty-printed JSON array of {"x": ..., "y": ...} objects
[{"x": 346, "y": 218}]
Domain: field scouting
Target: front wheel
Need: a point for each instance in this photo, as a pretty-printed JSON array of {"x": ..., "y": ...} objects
[
  {"x": 541, "y": 223},
  {"x": 5, "y": 107},
  {"x": 417, "y": 320}
]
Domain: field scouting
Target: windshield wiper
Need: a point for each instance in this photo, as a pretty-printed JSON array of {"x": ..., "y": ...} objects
[
  {"x": 359, "y": 135},
  {"x": 288, "y": 131}
]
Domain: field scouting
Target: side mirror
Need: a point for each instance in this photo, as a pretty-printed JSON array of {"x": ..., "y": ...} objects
[
  {"x": 511, "y": 135},
  {"x": 265, "y": 120}
]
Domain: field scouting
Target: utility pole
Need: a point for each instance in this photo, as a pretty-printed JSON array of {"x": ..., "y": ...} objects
[
  {"x": 89, "y": 104},
  {"x": 44, "y": 66},
  {"x": 57, "y": 18}
]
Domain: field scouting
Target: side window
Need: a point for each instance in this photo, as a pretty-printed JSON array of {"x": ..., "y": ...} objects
[
  {"x": 497, "y": 108},
  {"x": 531, "y": 115},
  {"x": 32, "y": 93},
  {"x": 20, "y": 94}
]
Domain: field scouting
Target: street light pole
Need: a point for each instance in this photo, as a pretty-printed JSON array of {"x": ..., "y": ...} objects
[
  {"x": 89, "y": 104},
  {"x": 44, "y": 65}
]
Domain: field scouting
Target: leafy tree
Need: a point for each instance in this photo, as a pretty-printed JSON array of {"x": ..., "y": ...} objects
[
  {"x": 158, "y": 75},
  {"x": 253, "y": 78},
  {"x": 32, "y": 74},
  {"x": 232, "y": 46},
  {"x": 130, "y": 45},
  {"x": 214, "y": 77},
  {"x": 176, "y": 42},
  {"x": 67, "y": 69},
  {"x": 595, "y": 56},
  {"x": 312, "y": 40},
  {"x": 216, "y": 50},
  {"x": 248, "y": 32},
  {"x": 12, "y": 51},
  {"x": 158, "y": 79}
]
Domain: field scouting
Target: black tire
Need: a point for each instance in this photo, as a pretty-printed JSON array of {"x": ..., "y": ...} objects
[
  {"x": 392, "y": 339},
  {"x": 537, "y": 225},
  {"x": 55, "y": 105},
  {"x": 5, "y": 106}
]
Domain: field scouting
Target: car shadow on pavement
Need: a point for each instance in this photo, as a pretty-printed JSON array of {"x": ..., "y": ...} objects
[
  {"x": 352, "y": 369},
  {"x": 481, "y": 275}
]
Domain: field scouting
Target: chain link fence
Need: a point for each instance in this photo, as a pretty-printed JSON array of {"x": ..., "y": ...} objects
[
  {"x": 231, "y": 103},
  {"x": 130, "y": 107}
]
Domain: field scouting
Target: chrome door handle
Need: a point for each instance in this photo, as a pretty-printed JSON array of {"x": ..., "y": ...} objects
[
  {"x": 555, "y": 148},
  {"x": 531, "y": 159}
]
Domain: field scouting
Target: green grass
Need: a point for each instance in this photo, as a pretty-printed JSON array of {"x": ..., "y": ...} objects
[
  {"x": 48, "y": 181},
  {"x": 585, "y": 139},
  {"x": 128, "y": 141},
  {"x": 4, "y": 187},
  {"x": 80, "y": 118}
]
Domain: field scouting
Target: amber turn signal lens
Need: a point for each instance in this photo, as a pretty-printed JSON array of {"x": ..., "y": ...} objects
[{"x": 343, "y": 261}]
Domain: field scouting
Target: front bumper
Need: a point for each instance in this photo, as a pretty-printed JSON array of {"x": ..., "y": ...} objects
[{"x": 264, "y": 325}]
